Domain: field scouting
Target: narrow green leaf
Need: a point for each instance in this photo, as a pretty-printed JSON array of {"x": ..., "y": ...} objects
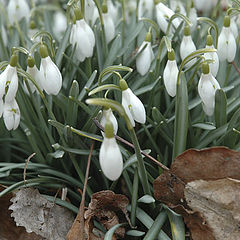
[
  {"x": 135, "y": 233},
  {"x": 146, "y": 199},
  {"x": 181, "y": 119},
  {"x": 110, "y": 232},
  {"x": 104, "y": 87},
  {"x": 220, "y": 108},
  {"x": 205, "y": 126}
]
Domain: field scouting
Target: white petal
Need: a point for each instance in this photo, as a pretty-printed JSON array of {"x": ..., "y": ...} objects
[
  {"x": 222, "y": 44},
  {"x": 126, "y": 105},
  {"x": 13, "y": 86},
  {"x": 232, "y": 47},
  {"x": 144, "y": 59},
  {"x": 215, "y": 65},
  {"x": 187, "y": 47},
  {"x": 170, "y": 74},
  {"x": 11, "y": 115},
  {"x": 3, "y": 80},
  {"x": 110, "y": 159},
  {"x": 1, "y": 107},
  {"x": 108, "y": 27},
  {"x": 234, "y": 28},
  {"x": 52, "y": 78},
  {"x": 207, "y": 87},
  {"x": 136, "y": 107},
  {"x": 60, "y": 23}
]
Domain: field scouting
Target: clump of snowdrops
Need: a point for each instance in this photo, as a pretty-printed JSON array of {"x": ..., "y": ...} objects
[{"x": 163, "y": 75}]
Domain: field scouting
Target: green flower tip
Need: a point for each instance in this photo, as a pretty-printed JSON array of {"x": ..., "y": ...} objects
[
  {"x": 32, "y": 24},
  {"x": 156, "y": 2},
  {"x": 148, "y": 37},
  {"x": 43, "y": 51},
  {"x": 192, "y": 4},
  {"x": 74, "y": 19},
  {"x": 209, "y": 40},
  {"x": 13, "y": 60},
  {"x": 123, "y": 85},
  {"x": 105, "y": 7},
  {"x": 187, "y": 31},
  {"x": 108, "y": 129},
  {"x": 171, "y": 55},
  {"x": 227, "y": 21},
  {"x": 205, "y": 68},
  {"x": 78, "y": 14},
  {"x": 30, "y": 62}
]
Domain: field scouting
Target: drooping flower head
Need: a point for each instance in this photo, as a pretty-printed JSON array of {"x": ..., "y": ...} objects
[
  {"x": 145, "y": 56},
  {"x": 108, "y": 115},
  {"x": 207, "y": 87},
  {"x": 9, "y": 80},
  {"x": 51, "y": 80},
  {"x": 109, "y": 26},
  {"x": 187, "y": 46},
  {"x": 212, "y": 56},
  {"x": 227, "y": 46},
  {"x": 170, "y": 74},
  {"x": 132, "y": 104},
  {"x": 110, "y": 157}
]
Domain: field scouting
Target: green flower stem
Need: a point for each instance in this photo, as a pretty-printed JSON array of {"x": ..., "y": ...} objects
[
  {"x": 212, "y": 24},
  {"x": 83, "y": 8},
  {"x": 141, "y": 166},
  {"x": 134, "y": 197},
  {"x": 154, "y": 25}
]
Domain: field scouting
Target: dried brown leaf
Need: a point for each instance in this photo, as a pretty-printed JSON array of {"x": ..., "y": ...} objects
[
  {"x": 37, "y": 214},
  {"x": 109, "y": 208},
  {"x": 181, "y": 189}
]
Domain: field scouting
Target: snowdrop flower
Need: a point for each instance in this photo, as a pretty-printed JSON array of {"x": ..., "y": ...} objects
[
  {"x": 110, "y": 157},
  {"x": 108, "y": 115},
  {"x": 205, "y": 6},
  {"x": 109, "y": 27},
  {"x": 83, "y": 37},
  {"x": 212, "y": 56},
  {"x": 170, "y": 74},
  {"x": 145, "y": 8},
  {"x": 11, "y": 115},
  {"x": 193, "y": 16},
  {"x": 187, "y": 46},
  {"x": 145, "y": 56},
  {"x": 113, "y": 10},
  {"x": 132, "y": 105},
  {"x": 59, "y": 23},
  {"x": 226, "y": 42},
  {"x": 17, "y": 9},
  {"x": 207, "y": 87},
  {"x": 35, "y": 73},
  {"x": 91, "y": 12},
  {"x": 163, "y": 13},
  {"x": 177, "y": 6},
  {"x": 51, "y": 80},
  {"x": 9, "y": 81}
]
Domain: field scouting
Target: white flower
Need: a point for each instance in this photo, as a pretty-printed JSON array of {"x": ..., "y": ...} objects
[
  {"x": 170, "y": 74},
  {"x": 163, "y": 13},
  {"x": 132, "y": 105},
  {"x": 193, "y": 17},
  {"x": 234, "y": 28},
  {"x": 145, "y": 57},
  {"x": 108, "y": 115},
  {"x": 145, "y": 8},
  {"x": 51, "y": 80},
  {"x": 226, "y": 42},
  {"x": 110, "y": 157},
  {"x": 9, "y": 83},
  {"x": 177, "y": 5},
  {"x": 11, "y": 115},
  {"x": 91, "y": 12},
  {"x": 109, "y": 27},
  {"x": 113, "y": 10},
  {"x": 212, "y": 56},
  {"x": 205, "y": 5},
  {"x": 4, "y": 35},
  {"x": 207, "y": 87},
  {"x": 17, "y": 9},
  {"x": 83, "y": 36},
  {"x": 187, "y": 46},
  {"x": 59, "y": 23},
  {"x": 36, "y": 74}
]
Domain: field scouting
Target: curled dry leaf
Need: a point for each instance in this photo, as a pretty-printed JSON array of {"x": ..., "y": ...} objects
[
  {"x": 8, "y": 228},
  {"x": 34, "y": 212},
  {"x": 109, "y": 209},
  {"x": 203, "y": 186}
]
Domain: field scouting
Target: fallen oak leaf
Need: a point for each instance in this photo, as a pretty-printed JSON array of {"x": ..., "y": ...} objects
[
  {"x": 34, "y": 212},
  {"x": 208, "y": 164}
]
